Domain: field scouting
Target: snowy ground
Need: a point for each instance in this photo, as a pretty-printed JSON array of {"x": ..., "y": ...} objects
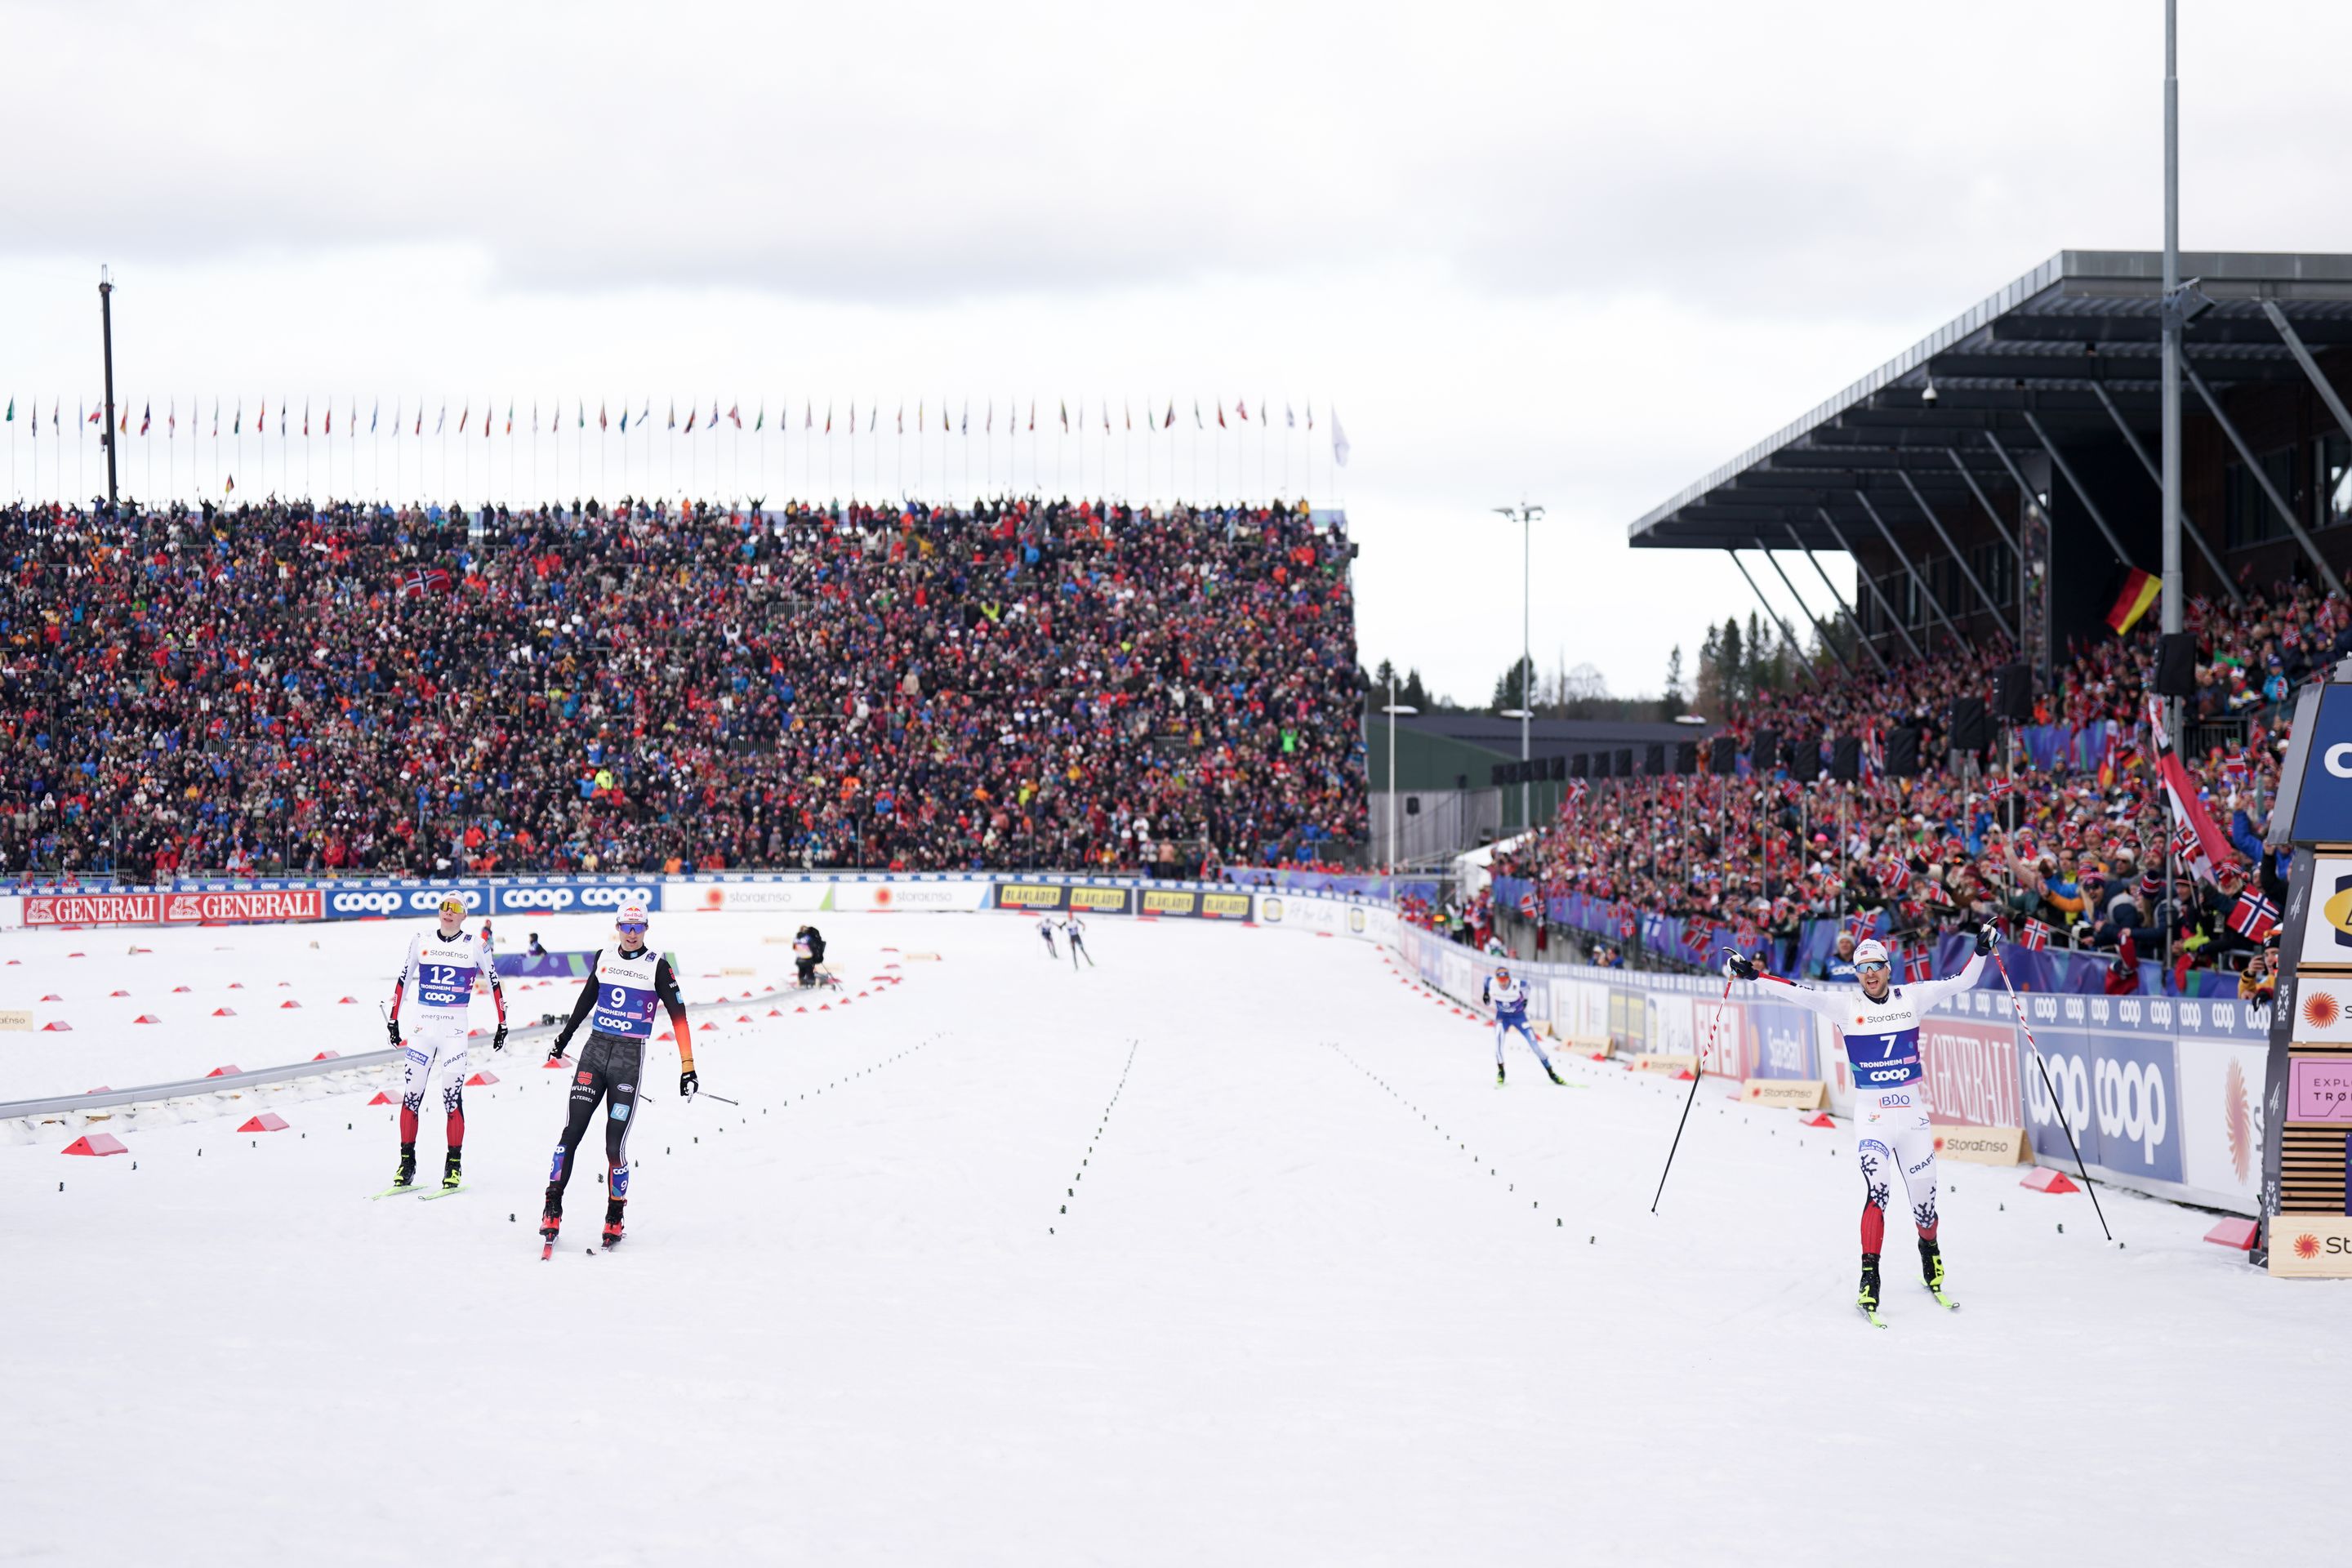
[{"x": 1228, "y": 1251}]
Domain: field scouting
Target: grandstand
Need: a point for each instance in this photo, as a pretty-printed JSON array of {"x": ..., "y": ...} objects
[
  {"x": 356, "y": 688},
  {"x": 1994, "y": 485}
]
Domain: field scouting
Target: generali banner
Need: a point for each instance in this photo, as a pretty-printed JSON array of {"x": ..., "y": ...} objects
[{"x": 256, "y": 907}]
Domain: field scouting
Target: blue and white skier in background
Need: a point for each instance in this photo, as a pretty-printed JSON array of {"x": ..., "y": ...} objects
[{"x": 1509, "y": 1000}]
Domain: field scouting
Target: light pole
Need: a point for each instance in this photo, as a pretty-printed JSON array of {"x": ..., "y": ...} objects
[
  {"x": 1526, "y": 787},
  {"x": 1526, "y": 512},
  {"x": 1392, "y": 709},
  {"x": 106, "y": 337},
  {"x": 2174, "y": 301}
]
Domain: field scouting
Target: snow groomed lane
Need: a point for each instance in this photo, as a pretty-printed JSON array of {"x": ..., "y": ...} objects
[{"x": 1321, "y": 1291}]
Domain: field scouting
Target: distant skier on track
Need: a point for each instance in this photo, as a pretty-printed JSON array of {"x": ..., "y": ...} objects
[
  {"x": 1508, "y": 998},
  {"x": 1075, "y": 930},
  {"x": 1881, "y": 1027},
  {"x": 628, "y": 979},
  {"x": 442, "y": 964},
  {"x": 1045, "y": 930}
]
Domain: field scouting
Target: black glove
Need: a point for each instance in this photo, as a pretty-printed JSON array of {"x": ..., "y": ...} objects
[
  {"x": 556, "y": 1053},
  {"x": 1741, "y": 967},
  {"x": 499, "y": 1040},
  {"x": 687, "y": 1083},
  {"x": 1987, "y": 940},
  {"x": 392, "y": 1028}
]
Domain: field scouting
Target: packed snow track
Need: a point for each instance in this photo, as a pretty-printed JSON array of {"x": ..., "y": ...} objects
[{"x": 1229, "y": 1250}]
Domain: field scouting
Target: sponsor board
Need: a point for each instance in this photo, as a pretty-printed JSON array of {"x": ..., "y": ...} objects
[
  {"x": 2322, "y": 1009},
  {"x": 2327, "y": 933},
  {"x": 2311, "y": 1245},
  {"x": 1037, "y": 896},
  {"x": 395, "y": 903},
  {"x": 915, "y": 897},
  {"x": 16, "y": 1020},
  {"x": 1983, "y": 1145},
  {"x": 2323, "y": 795},
  {"x": 1797, "y": 1094},
  {"x": 1972, "y": 1071},
  {"x": 1665, "y": 1062},
  {"x": 1781, "y": 1041},
  {"x": 735, "y": 970},
  {"x": 555, "y": 898},
  {"x": 1101, "y": 900},
  {"x": 2221, "y": 1118},
  {"x": 753, "y": 898},
  {"x": 1272, "y": 909},
  {"x": 1195, "y": 903},
  {"x": 2119, "y": 1098},
  {"x": 260, "y": 907},
  {"x": 2319, "y": 1088}
]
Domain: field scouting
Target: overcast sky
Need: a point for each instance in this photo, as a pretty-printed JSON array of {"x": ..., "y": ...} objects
[{"x": 1576, "y": 252}]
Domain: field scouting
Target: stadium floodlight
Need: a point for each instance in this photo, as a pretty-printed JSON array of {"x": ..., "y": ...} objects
[
  {"x": 1929, "y": 396},
  {"x": 1392, "y": 709},
  {"x": 1525, "y": 514}
]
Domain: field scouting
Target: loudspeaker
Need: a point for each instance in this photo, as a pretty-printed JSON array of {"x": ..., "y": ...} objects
[
  {"x": 2176, "y": 664},
  {"x": 1903, "y": 752},
  {"x": 1495, "y": 774},
  {"x": 1624, "y": 768},
  {"x": 1805, "y": 759},
  {"x": 1686, "y": 757},
  {"x": 1579, "y": 766},
  {"x": 2012, "y": 694},
  {"x": 1970, "y": 731},
  {"x": 1723, "y": 756},
  {"x": 1845, "y": 758},
  {"x": 1412, "y": 806},
  {"x": 1764, "y": 752}
]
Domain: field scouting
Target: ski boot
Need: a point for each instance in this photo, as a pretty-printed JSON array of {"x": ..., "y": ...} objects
[
  {"x": 1867, "y": 1299},
  {"x": 552, "y": 1220},
  {"x": 451, "y": 1177},
  {"x": 1554, "y": 1073},
  {"x": 613, "y": 1207},
  {"x": 1498, "y": 1075},
  {"x": 1931, "y": 1270},
  {"x": 406, "y": 1176}
]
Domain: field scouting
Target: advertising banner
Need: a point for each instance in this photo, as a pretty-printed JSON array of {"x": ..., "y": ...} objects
[
  {"x": 680, "y": 896},
  {"x": 1782, "y": 1044},
  {"x": 556, "y": 898},
  {"x": 2311, "y": 1245},
  {"x": 374, "y": 902},
  {"x": 1101, "y": 900},
  {"x": 906, "y": 894},
  {"x": 174, "y": 909},
  {"x": 2120, "y": 1097},
  {"x": 2327, "y": 934},
  {"x": 1198, "y": 903},
  {"x": 1035, "y": 897},
  {"x": 1972, "y": 1071},
  {"x": 2221, "y": 1114}
]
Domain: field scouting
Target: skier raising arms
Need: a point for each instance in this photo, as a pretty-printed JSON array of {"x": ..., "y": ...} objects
[
  {"x": 442, "y": 964},
  {"x": 1881, "y": 1028},
  {"x": 1509, "y": 1000},
  {"x": 618, "y": 1004}
]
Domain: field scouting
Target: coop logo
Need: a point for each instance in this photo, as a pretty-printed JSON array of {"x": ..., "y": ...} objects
[
  {"x": 2339, "y": 760},
  {"x": 549, "y": 898},
  {"x": 429, "y": 899},
  {"x": 613, "y": 897},
  {"x": 364, "y": 903}
]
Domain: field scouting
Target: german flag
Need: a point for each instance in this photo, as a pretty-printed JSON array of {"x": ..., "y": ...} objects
[{"x": 2140, "y": 591}]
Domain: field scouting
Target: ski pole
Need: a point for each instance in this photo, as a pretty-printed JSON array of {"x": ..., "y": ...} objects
[
  {"x": 1696, "y": 1079},
  {"x": 706, "y": 1094},
  {"x": 2055, "y": 1103}
]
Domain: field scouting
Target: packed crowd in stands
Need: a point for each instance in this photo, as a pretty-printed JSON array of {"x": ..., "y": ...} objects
[
  {"x": 2078, "y": 848},
  {"x": 379, "y": 690}
]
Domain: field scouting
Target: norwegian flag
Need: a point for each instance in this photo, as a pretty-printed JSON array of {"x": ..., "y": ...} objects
[
  {"x": 2253, "y": 916},
  {"x": 1527, "y": 905},
  {"x": 1918, "y": 964},
  {"x": 1895, "y": 874},
  {"x": 2236, "y": 768},
  {"x": 429, "y": 580},
  {"x": 1858, "y": 926},
  {"x": 2034, "y": 936},
  {"x": 2000, "y": 786}
]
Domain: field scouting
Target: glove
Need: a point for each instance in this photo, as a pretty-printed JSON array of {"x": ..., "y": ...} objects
[
  {"x": 392, "y": 1028},
  {"x": 1741, "y": 967},
  {"x": 687, "y": 1083},
  {"x": 499, "y": 1040},
  {"x": 556, "y": 1053},
  {"x": 1987, "y": 940}
]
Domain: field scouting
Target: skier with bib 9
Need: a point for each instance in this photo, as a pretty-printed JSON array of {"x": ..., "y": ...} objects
[
  {"x": 617, "y": 1002},
  {"x": 1893, "y": 1139}
]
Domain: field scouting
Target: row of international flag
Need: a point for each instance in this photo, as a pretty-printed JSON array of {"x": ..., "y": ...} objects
[{"x": 926, "y": 418}]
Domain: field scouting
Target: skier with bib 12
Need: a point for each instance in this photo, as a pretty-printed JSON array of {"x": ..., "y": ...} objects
[
  {"x": 626, "y": 984},
  {"x": 438, "y": 972},
  {"x": 1892, "y": 1140}
]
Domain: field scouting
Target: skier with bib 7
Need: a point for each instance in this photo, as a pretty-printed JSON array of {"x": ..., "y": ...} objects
[{"x": 1880, "y": 1026}]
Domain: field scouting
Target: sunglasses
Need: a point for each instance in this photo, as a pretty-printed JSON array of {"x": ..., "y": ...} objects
[
  {"x": 1869, "y": 968},
  {"x": 634, "y": 928}
]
